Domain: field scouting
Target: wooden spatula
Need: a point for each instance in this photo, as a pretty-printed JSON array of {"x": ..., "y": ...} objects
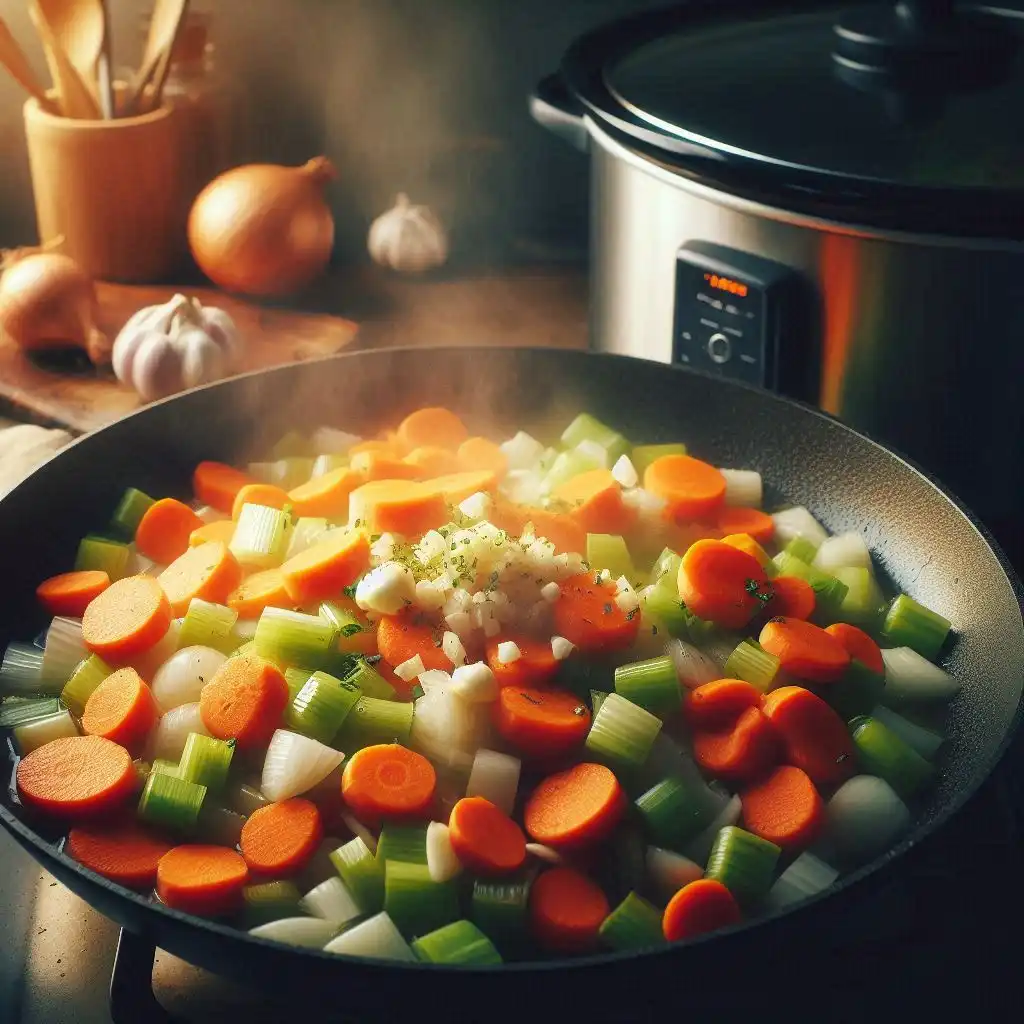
[
  {"x": 13, "y": 58},
  {"x": 75, "y": 98}
]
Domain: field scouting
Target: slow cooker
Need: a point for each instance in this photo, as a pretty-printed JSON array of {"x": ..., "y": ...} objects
[{"x": 824, "y": 201}]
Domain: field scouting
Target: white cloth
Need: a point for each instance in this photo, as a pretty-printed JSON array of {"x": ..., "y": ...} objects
[{"x": 24, "y": 447}]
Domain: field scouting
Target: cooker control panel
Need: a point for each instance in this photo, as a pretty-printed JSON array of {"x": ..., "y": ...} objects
[{"x": 731, "y": 309}]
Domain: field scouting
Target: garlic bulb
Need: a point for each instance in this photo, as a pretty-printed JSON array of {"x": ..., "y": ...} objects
[
  {"x": 181, "y": 344},
  {"x": 408, "y": 238}
]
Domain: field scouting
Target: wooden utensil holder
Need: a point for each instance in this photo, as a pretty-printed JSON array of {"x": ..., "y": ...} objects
[{"x": 112, "y": 189}]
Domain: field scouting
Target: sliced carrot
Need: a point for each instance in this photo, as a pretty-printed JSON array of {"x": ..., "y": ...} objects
[
  {"x": 406, "y": 507},
  {"x": 596, "y": 502},
  {"x": 700, "y": 907},
  {"x": 121, "y": 709},
  {"x": 76, "y": 777},
  {"x": 535, "y": 666},
  {"x": 485, "y": 839},
  {"x": 746, "y": 543},
  {"x": 586, "y": 614},
  {"x": 326, "y": 496},
  {"x": 567, "y": 910},
  {"x": 261, "y": 590},
  {"x": 379, "y": 446},
  {"x": 403, "y": 636},
  {"x": 435, "y": 426},
  {"x": 791, "y": 597},
  {"x": 280, "y": 839},
  {"x": 388, "y": 782},
  {"x": 481, "y": 453},
  {"x": 216, "y": 484},
  {"x": 244, "y": 701},
  {"x": 859, "y": 645},
  {"x": 541, "y": 723},
  {"x": 69, "y": 593},
  {"x": 555, "y": 527},
  {"x": 129, "y": 617},
  {"x": 208, "y": 571},
  {"x": 814, "y": 738},
  {"x": 721, "y": 584},
  {"x": 432, "y": 461},
  {"x": 691, "y": 488},
  {"x": 378, "y": 466},
  {"x": 456, "y": 487},
  {"x": 125, "y": 853},
  {"x": 164, "y": 530},
  {"x": 805, "y": 650},
  {"x": 203, "y": 880},
  {"x": 222, "y": 530},
  {"x": 784, "y": 808},
  {"x": 323, "y": 570},
  {"x": 742, "y": 751},
  {"x": 575, "y": 808},
  {"x": 269, "y": 495},
  {"x": 753, "y": 522},
  {"x": 716, "y": 704}
]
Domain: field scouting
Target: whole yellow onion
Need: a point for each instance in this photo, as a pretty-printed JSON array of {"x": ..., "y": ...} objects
[{"x": 263, "y": 229}]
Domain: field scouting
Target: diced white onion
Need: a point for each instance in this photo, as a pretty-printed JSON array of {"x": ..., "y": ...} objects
[
  {"x": 295, "y": 764},
  {"x": 508, "y": 652},
  {"x": 208, "y": 514},
  {"x": 476, "y": 506},
  {"x": 594, "y": 453},
  {"x": 670, "y": 871},
  {"x": 377, "y": 937},
  {"x": 924, "y": 741},
  {"x": 798, "y": 522},
  {"x": 64, "y": 649},
  {"x": 446, "y": 728},
  {"x": 551, "y": 592},
  {"x": 698, "y": 849},
  {"x": 648, "y": 504},
  {"x": 332, "y": 902},
  {"x": 434, "y": 679},
  {"x": 491, "y": 626},
  {"x": 181, "y": 678},
  {"x": 386, "y": 589},
  {"x": 441, "y": 860},
  {"x": 475, "y": 683},
  {"x": 624, "y": 472},
  {"x": 844, "y": 551},
  {"x": 693, "y": 667},
  {"x": 383, "y": 548},
  {"x": 522, "y": 451},
  {"x": 523, "y": 486},
  {"x": 544, "y": 853},
  {"x": 863, "y": 819},
  {"x": 805, "y": 877},
  {"x": 561, "y": 648},
  {"x": 429, "y": 596},
  {"x": 307, "y": 932},
  {"x": 410, "y": 669},
  {"x": 568, "y": 563},
  {"x": 460, "y": 623},
  {"x": 626, "y": 598},
  {"x": 495, "y": 777},
  {"x": 453, "y": 649},
  {"x": 430, "y": 546},
  {"x": 743, "y": 488},
  {"x": 911, "y": 678},
  {"x": 167, "y": 740},
  {"x": 330, "y": 441},
  {"x": 147, "y": 663}
]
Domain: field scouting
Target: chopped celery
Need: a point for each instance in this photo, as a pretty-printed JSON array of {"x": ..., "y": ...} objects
[
  {"x": 666, "y": 564},
  {"x": 161, "y": 766},
  {"x": 64, "y": 651},
  {"x": 802, "y": 548},
  {"x": 362, "y": 874},
  {"x": 407, "y": 843},
  {"x": 829, "y": 591},
  {"x": 294, "y": 639},
  {"x": 805, "y": 877},
  {"x": 460, "y": 942},
  {"x": 208, "y": 625},
  {"x": 170, "y": 802},
  {"x": 909, "y": 624},
  {"x": 84, "y": 680},
  {"x": 414, "y": 901},
  {"x": 295, "y": 679},
  {"x": 375, "y": 721},
  {"x": 129, "y": 512},
  {"x": 370, "y": 681},
  {"x": 110, "y": 556},
  {"x": 327, "y": 463},
  {"x": 501, "y": 908},
  {"x": 743, "y": 863},
  {"x": 650, "y": 684},
  {"x": 307, "y": 532},
  {"x": 22, "y": 670},
  {"x": 857, "y": 692},
  {"x": 644, "y": 454},
  {"x": 662, "y": 608},
  {"x": 586, "y": 428},
  {"x": 633, "y": 924},
  {"x": 294, "y": 470},
  {"x": 321, "y": 706},
  {"x": 565, "y": 467},
  {"x": 597, "y": 698},
  {"x": 609, "y": 551},
  {"x": 291, "y": 445},
  {"x": 352, "y": 632},
  {"x": 271, "y": 901},
  {"x": 245, "y": 798},
  {"x": 40, "y": 731},
  {"x": 924, "y": 741},
  {"x": 206, "y": 761},
  {"x": 864, "y": 603},
  {"x": 883, "y": 753},
  {"x": 622, "y": 733},
  {"x": 19, "y": 711},
  {"x": 673, "y": 812},
  {"x": 752, "y": 663},
  {"x": 261, "y": 537}
]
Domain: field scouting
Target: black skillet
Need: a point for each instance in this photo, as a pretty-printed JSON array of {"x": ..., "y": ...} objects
[{"x": 920, "y": 537}]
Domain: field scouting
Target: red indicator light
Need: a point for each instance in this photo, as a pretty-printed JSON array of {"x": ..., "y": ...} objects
[{"x": 726, "y": 284}]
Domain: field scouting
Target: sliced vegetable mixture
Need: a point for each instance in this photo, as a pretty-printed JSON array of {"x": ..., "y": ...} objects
[{"x": 426, "y": 696}]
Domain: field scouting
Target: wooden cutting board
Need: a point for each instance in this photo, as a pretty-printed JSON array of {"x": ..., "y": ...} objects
[{"x": 68, "y": 392}]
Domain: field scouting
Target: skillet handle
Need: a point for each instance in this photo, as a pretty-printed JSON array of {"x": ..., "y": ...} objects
[
  {"x": 553, "y": 107},
  {"x": 131, "y": 983}
]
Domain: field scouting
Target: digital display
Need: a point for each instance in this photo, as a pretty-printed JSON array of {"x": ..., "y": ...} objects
[{"x": 726, "y": 284}]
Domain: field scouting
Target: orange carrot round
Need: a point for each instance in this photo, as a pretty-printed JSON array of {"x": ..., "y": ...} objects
[
  {"x": 325, "y": 568},
  {"x": 244, "y": 701},
  {"x": 434, "y": 426},
  {"x": 753, "y": 522},
  {"x": 69, "y": 593},
  {"x": 746, "y": 543},
  {"x": 457, "y": 487},
  {"x": 481, "y": 453},
  {"x": 269, "y": 495},
  {"x": 388, "y": 781},
  {"x": 566, "y": 911},
  {"x": 805, "y": 650},
  {"x": 722, "y": 584},
  {"x": 792, "y": 597},
  {"x": 740, "y": 752},
  {"x": 216, "y": 484},
  {"x": 700, "y": 907},
  {"x": 260, "y": 590},
  {"x": 209, "y": 572},
  {"x": 858, "y": 645},
  {"x": 485, "y": 839},
  {"x": 716, "y": 704},
  {"x": 784, "y": 808},
  {"x": 381, "y": 466},
  {"x": 164, "y": 530},
  {"x": 432, "y": 461},
  {"x": 406, "y": 507},
  {"x": 204, "y": 880},
  {"x": 403, "y": 636},
  {"x": 814, "y": 738},
  {"x": 541, "y": 723},
  {"x": 326, "y": 496},
  {"x": 128, "y": 618},
  {"x": 121, "y": 709},
  {"x": 76, "y": 777},
  {"x": 125, "y": 853},
  {"x": 575, "y": 808},
  {"x": 535, "y": 666},
  {"x": 691, "y": 488},
  {"x": 587, "y": 615},
  {"x": 559, "y": 529},
  {"x": 279, "y": 839},
  {"x": 221, "y": 529},
  {"x": 595, "y": 500}
]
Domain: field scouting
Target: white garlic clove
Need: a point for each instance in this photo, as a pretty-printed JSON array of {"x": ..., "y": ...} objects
[
  {"x": 202, "y": 359},
  {"x": 408, "y": 238},
  {"x": 156, "y": 366}
]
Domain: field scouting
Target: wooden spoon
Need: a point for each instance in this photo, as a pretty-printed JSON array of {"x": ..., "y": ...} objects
[
  {"x": 12, "y": 58},
  {"x": 164, "y": 25},
  {"x": 80, "y": 28},
  {"x": 76, "y": 99}
]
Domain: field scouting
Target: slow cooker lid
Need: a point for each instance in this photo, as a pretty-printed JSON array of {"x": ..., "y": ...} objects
[{"x": 764, "y": 100}]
